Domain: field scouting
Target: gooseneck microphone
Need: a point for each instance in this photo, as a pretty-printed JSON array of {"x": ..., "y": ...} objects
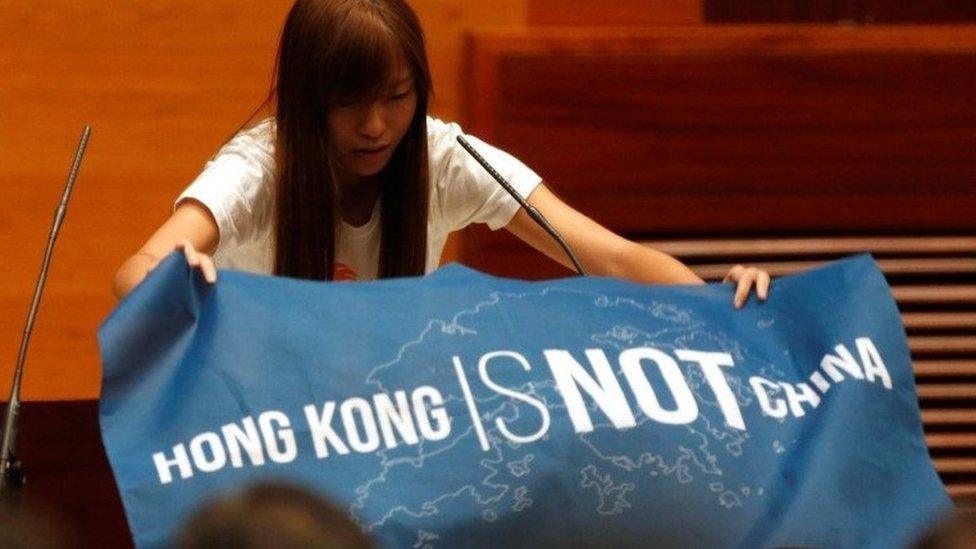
[
  {"x": 529, "y": 209},
  {"x": 11, "y": 473}
]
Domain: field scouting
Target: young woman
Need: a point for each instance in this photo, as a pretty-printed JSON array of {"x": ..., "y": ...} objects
[{"x": 352, "y": 179}]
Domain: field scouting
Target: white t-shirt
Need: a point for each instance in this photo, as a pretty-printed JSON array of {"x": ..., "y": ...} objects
[{"x": 236, "y": 186}]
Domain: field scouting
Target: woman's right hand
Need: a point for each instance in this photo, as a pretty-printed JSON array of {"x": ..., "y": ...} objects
[
  {"x": 190, "y": 223},
  {"x": 196, "y": 259}
]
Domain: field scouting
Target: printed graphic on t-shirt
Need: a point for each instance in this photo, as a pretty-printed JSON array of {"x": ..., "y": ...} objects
[{"x": 343, "y": 272}]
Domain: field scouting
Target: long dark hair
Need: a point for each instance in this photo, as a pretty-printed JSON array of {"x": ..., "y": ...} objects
[{"x": 334, "y": 51}]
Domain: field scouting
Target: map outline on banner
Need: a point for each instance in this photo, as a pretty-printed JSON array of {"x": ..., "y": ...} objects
[{"x": 191, "y": 302}]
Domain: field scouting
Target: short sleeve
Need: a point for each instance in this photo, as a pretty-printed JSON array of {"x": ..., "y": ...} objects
[
  {"x": 465, "y": 192},
  {"x": 236, "y": 184}
]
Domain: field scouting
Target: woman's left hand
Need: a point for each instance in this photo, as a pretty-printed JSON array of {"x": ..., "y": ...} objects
[{"x": 745, "y": 277}]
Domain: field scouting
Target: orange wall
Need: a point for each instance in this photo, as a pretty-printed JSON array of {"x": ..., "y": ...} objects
[
  {"x": 162, "y": 83},
  {"x": 627, "y": 13}
]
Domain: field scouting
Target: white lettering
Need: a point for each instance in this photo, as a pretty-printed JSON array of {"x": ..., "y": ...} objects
[
  {"x": 819, "y": 382},
  {"x": 762, "y": 387},
  {"x": 845, "y": 361},
  {"x": 871, "y": 359},
  {"x": 247, "y": 439},
  {"x": 200, "y": 458},
  {"x": 710, "y": 364},
  {"x": 570, "y": 376},
  {"x": 322, "y": 431},
  {"x": 499, "y": 422},
  {"x": 440, "y": 427},
  {"x": 797, "y": 394},
  {"x": 686, "y": 409},
  {"x": 366, "y": 440},
  {"x": 398, "y": 415},
  {"x": 288, "y": 449},
  {"x": 180, "y": 459}
]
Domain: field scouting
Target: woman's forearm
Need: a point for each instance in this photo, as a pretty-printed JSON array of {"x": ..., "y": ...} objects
[
  {"x": 131, "y": 273},
  {"x": 642, "y": 264}
]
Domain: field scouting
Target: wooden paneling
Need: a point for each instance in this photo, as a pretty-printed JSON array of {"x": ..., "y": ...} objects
[
  {"x": 163, "y": 84},
  {"x": 830, "y": 11},
  {"x": 718, "y": 142},
  {"x": 445, "y": 23},
  {"x": 68, "y": 475},
  {"x": 618, "y": 13},
  {"x": 934, "y": 283},
  {"x": 743, "y": 130}
]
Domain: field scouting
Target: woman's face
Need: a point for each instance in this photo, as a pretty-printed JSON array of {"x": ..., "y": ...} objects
[{"x": 365, "y": 134}]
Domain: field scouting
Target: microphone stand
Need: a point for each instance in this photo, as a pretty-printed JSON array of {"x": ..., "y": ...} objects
[
  {"x": 529, "y": 209},
  {"x": 11, "y": 471}
]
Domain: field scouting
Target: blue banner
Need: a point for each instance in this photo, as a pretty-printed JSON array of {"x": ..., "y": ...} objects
[{"x": 460, "y": 409}]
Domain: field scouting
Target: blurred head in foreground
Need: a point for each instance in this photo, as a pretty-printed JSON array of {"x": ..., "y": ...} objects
[
  {"x": 271, "y": 515},
  {"x": 957, "y": 530},
  {"x": 25, "y": 527}
]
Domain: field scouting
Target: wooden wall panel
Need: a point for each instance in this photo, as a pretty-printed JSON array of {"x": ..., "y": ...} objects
[
  {"x": 163, "y": 84},
  {"x": 69, "y": 482},
  {"x": 845, "y": 11},
  {"x": 627, "y": 13},
  {"x": 719, "y": 144},
  {"x": 695, "y": 131}
]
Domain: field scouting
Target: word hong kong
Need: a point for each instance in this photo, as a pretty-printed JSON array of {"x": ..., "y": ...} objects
[{"x": 366, "y": 423}]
